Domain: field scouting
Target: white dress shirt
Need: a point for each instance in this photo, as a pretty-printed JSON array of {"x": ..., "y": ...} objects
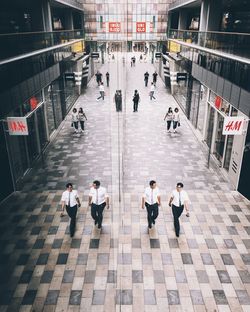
[
  {"x": 101, "y": 88},
  {"x": 151, "y": 195},
  {"x": 98, "y": 195},
  {"x": 152, "y": 88},
  {"x": 70, "y": 198},
  {"x": 176, "y": 116},
  {"x": 179, "y": 198}
]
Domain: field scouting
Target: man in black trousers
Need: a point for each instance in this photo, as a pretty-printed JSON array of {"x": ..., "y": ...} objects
[{"x": 146, "y": 75}]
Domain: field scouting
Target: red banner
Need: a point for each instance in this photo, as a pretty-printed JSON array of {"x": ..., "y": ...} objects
[
  {"x": 114, "y": 27},
  {"x": 140, "y": 27},
  {"x": 218, "y": 102}
]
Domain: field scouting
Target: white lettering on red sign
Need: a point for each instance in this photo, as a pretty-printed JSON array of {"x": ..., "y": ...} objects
[
  {"x": 233, "y": 126},
  {"x": 140, "y": 27},
  {"x": 17, "y": 126},
  {"x": 114, "y": 27}
]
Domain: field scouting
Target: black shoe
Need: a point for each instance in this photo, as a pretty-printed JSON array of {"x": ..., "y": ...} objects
[
  {"x": 95, "y": 222},
  {"x": 71, "y": 234},
  {"x": 153, "y": 221},
  {"x": 99, "y": 226},
  {"x": 150, "y": 226},
  {"x": 177, "y": 235}
]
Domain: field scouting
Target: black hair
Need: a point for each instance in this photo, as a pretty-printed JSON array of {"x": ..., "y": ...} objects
[
  {"x": 176, "y": 109},
  {"x": 97, "y": 183},
  {"x": 68, "y": 185},
  {"x": 152, "y": 182},
  {"x": 74, "y": 110},
  {"x": 179, "y": 184}
]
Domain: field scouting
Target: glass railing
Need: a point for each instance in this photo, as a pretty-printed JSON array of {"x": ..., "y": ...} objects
[
  {"x": 228, "y": 42},
  {"x": 74, "y": 3},
  {"x": 177, "y": 3},
  {"x": 21, "y": 43}
]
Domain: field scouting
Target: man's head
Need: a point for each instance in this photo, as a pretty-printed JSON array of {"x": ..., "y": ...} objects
[
  {"x": 69, "y": 187},
  {"x": 152, "y": 184},
  {"x": 96, "y": 184},
  {"x": 179, "y": 186}
]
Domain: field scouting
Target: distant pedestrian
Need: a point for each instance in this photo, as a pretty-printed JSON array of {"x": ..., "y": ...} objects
[
  {"x": 131, "y": 62},
  {"x": 178, "y": 201},
  {"x": 82, "y": 117},
  {"x": 176, "y": 119},
  {"x": 155, "y": 77},
  {"x": 146, "y": 75},
  {"x": 98, "y": 77},
  {"x": 113, "y": 57},
  {"x": 152, "y": 91},
  {"x": 202, "y": 89},
  {"x": 102, "y": 92},
  {"x": 152, "y": 200},
  {"x": 107, "y": 78},
  {"x": 98, "y": 200},
  {"x": 70, "y": 199},
  {"x": 141, "y": 58},
  {"x": 118, "y": 100},
  {"x": 133, "y": 59},
  {"x": 169, "y": 117},
  {"x": 75, "y": 120},
  {"x": 136, "y": 100}
]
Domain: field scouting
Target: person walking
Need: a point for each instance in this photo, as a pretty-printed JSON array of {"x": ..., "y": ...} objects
[
  {"x": 98, "y": 200},
  {"x": 152, "y": 200},
  {"x": 169, "y": 117},
  {"x": 155, "y": 77},
  {"x": 107, "y": 78},
  {"x": 133, "y": 60},
  {"x": 70, "y": 200},
  {"x": 178, "y": 201},
  {"x": 98, "y": 77},
  {"x": 141, "y": 58},
  {"x": 82, "y": 117},
  {"x": 146, "y": 75},
  {"x": 176, "y": 119},
  {"x": 152, "y": 91},
  {"x": 136, "y": 100},
  {"x": 75, "y": 119},
  {"x": 118, "y": 100},
  {"x": 102, "y": 92}
]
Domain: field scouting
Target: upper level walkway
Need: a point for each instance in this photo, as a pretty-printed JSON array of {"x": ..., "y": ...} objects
[{"x": 125, "y": 267}]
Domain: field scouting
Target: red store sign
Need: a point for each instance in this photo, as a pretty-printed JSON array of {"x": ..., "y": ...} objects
[
  {"x": 141, "y": 27},
  {"x": 114, "y": 27},
  {"x": 17, "y": 126}
]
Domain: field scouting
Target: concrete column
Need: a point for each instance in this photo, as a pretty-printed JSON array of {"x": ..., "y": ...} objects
[
  {"x": 46, "y": 14},
  {"x": 204, "y": 15},
  {"x": 182, "y": 24},
  {"x": 214, "y": 15},
  {"x": 68, "y": 20}
]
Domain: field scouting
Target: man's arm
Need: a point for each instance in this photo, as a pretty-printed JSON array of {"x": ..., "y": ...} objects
[
  {"x": 63, "y": 206},
  {"x": 143, "y": 202},
  {"x": 159, "y": 200},
  {"x": 107, "y": 201},
  {"x": 186, "y": 207},
  {"x": 90, "y": 200},
  {"x": 170, "y": 201}
]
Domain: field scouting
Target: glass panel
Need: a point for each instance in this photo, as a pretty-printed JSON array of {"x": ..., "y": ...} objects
[
  {"x": 41, "y": 126},
  {"x": 202, "y": 107},
  {"x": 210, "y": 125},
  {"x": 49, "y": 110},
  {"x": 220, "y": 139},
  {"x": 32, "y": 138}
]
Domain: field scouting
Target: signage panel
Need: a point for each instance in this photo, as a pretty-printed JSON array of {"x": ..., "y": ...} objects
[
  {"x": 233, "y": 126},
  {"x": 17, "y": 126},
  {"x": 114, "y": 27},
  {"x": 141, "y": 27}
]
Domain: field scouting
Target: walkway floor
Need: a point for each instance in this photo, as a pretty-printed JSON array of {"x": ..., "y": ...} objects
[{"x": 124, "y": 267}]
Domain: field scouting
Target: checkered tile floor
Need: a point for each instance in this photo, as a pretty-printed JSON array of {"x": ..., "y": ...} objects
[{"x": 124, "y": 267}]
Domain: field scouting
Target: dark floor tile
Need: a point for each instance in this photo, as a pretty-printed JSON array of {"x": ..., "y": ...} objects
[
  {"x": 220, "y": 297},
  {"x": 218, "y": 219},
  {"x": 245, "y": 276},
  {"x": 45, "y": 208},
  {"x": 98, "y": 297},
  {"x": 246, "y": 242},
  {"x": 236, "y": 207},
  {"x": 173, "y": 243},
  {"x": 196, "y": 296},
  {"x": 18, "y": 230},
  {"x": 146, "y": 258},
  {"x": 36, "y": 230},
  {"x": 173, "y": 297},
  {"x": 137, "y": 276},
  {"x": 52, "y": 297},
  {"x": 112, "y": 276},
  {"x": 234, "y": 218},
  {"x": 186, "y": 258},
  {"x": 43, "y": 259},
  {"x": 202, "y": 276},
  {"x": 136, "y": 243},
  {"x": 207, "y": 259},
  {"x": 39, "y": 244},
  {"x": 68, "y": 276},
  {"x": 113, "y": 242},
  {"x": 25, "y": 277},
  {"x": 243, "y": 297},
  {"x": 89, "y": 276},
  {"x": 75, "y": 297},
  {"x": 124, "y": 297},
  {"x": 21, "y": 244},
  {"x": 166, "y": 258},
  {"x": 149, "y": 297},
  {"x": 29, "y": 297},
  {"x": 159, "y": 276},
  {"x": 180, "y": 276},
  {"x": 62, "y": 258},
  {"x": 232, "y": 230},
  {"x": 32, "y": 218},
  {"x": 57, "y": 243},
  {"x": 53, "y": 230},
  {"x": 49, "y": 219},
  {"x": 224, "y": 276},
  {"x": 124, "y": 258},
  {"x": 154, "y": 243},
  {"x": 94, "y": 243},
  {"x": 23, "y": 259},
  {"x": 75, "y": 243},
  {"x": 214, "y": 230},
  {"x": 246, "y": 258},
  {"x": 103, "y": 258},
  {"x": 229, "y": 243},
  {"x": 47, "y": 277},
  {"x": 82, "y": 258},
  {"x": 227, "y": 259},
  {"x": 211, "y": 244},
  {"x": 6, "y": 297}
]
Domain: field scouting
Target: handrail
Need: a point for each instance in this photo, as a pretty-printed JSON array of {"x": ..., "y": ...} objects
[
  {"x": 42, "y": 32},
  {"x": 216, "y": 32}
]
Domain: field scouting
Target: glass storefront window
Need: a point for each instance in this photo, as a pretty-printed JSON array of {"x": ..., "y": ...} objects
[
  {"x": 210, "y": 125},
  {"x": 32, "y": 138},
  {"x": 32, "y": 103},
  {"x": 49, "y": 110},
  {"x": 41, "y": 127},
  {"x": 221, "y": 104},
  {"x": 219, "y": 139}
]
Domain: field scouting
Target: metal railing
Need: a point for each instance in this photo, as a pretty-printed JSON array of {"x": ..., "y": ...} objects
[
  {"x": 73, "y": 3},
  {"x": 21, "y": 43},
  {"x": 228, "y": 42},
  {"x": 178, "y": 3}
]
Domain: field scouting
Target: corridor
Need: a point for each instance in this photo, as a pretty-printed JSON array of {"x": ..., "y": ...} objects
[{"x": 125, "y": 267}]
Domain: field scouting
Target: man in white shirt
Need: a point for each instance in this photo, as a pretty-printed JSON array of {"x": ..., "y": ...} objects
[
  {"x": 152, "y": 200},
  {"x": 98, "y": 200},
  {"x": 152, "y": 91},
  {"x": 70, "y": 199},
  {"x": 102, "y": 92},
  {"x": 178, "y": 201}
]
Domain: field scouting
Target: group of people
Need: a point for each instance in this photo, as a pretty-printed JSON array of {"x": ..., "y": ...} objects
[
  {"x": 99, "y": 81},
  {"x": 78, "y": 117},
  {"x": 172, "y": 118},
  {"x": 99, "y": 199}
]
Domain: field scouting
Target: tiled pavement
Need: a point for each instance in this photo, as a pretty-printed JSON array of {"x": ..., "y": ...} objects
[{"x": 123, "y": 267}]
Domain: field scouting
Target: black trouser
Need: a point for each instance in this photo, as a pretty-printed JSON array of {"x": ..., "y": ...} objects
[
  {"x": 169, "y": 124},
  {"x": 135, "y": 106},
  {"x": 175, "y": 123},
  {"x": 152, "y": 95},
  {"x": 118, "y": 106},
  {"x": 71, "y": 211},
  {"x": 107, "y": 82},
  {"x": 146, "y": 82},
  {"x": 82, "y": 124},
  {"x": 153, "y": 212},
  {"x": 101, "y": 96},
  {"x": 97, "y": 213},
  {"x": 177, "y": 211},
  {"x": 75, "y": 125}
]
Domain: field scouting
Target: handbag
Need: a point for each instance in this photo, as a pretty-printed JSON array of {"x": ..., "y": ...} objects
[
  {"x": 179, "y": 124},
  {"x": 72, "y": 124}
]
